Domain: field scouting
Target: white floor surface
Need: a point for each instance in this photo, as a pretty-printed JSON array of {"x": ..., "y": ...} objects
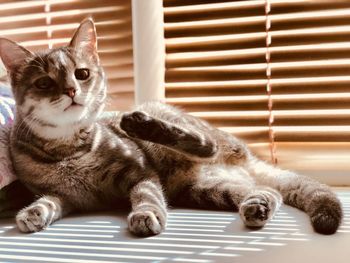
[{"x": 191, "y": 236}]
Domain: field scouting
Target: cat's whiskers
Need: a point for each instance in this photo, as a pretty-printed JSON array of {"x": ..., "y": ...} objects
[
  {"x": 23, "y": 125},
  {"x": 18, "y": 127},
  {"x": 58, "y": 101},
  {"x": 30, "y": 127}
]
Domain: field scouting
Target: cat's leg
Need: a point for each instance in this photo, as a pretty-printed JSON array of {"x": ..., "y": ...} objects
[
  {"x": 259, "y": 206},
  {"x": 149, "y": 209},
  {"x": 166, "y": 125},
  {"x": 187, "y": 140},
  {"x": 228, "y": 188},
  {"x": 41, "y": 214},
  {"x": 316, "y": 199},
  {"x": 213, "y": 193}
]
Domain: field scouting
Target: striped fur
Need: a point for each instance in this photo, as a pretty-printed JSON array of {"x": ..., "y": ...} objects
[{"x": 141, "y": 160}]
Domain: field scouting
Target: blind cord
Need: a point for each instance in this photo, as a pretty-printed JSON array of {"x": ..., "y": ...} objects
[{"x": 268, "y": 84}]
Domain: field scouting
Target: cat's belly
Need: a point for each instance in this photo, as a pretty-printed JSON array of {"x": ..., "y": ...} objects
[
  {"x": 92, "y": 182},
  {"x": 184, "y": 178}
]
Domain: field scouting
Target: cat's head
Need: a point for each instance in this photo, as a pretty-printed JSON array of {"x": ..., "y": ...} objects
[{"x": 58, "y": 89}]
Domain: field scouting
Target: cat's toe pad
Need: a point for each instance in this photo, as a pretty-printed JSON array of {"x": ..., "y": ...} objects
[
  {"x": 132, "y": 121},
  {"x": 33, "y": 218},
  {"x": 254, "y": 213},
  {"x": 145, "y": 223}
]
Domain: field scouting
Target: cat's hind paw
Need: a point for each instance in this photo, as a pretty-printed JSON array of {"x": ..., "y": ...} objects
[
  {"x": 254, "y": 214},
  {"x": 326, "y": 215},
  {"x": 146, "y": 223}
]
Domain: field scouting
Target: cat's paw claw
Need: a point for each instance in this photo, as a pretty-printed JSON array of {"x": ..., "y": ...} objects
[
  {"x": 33, "y": 219},
  {"x": 146, "y": 223}
]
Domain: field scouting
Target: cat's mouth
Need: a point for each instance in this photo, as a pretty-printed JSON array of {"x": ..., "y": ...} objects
[{"x": 73, "y": 105}]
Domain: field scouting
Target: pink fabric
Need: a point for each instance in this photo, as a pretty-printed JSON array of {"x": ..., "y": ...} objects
[
  {"x": 6, "y": 171},
  {"x": 7, "y": 108}
]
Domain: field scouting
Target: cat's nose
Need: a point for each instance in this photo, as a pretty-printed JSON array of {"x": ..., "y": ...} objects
[{"x": 70, "y": 92}]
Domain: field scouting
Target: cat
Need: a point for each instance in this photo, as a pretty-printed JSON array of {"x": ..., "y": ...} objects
[{"x": 144, "y": 159}]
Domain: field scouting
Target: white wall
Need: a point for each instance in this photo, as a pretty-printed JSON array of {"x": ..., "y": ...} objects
[{"x": 149, "y": 50}]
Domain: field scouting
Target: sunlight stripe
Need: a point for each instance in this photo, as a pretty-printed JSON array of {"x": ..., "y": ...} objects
[
  {"x": 266, "y": 243},
  {"x": 81, "y": 230},
  {"x": 99, "y": 222},
  {"x": 65, "y": 253},
  {"x": 281, "y": 228},
  {"x": 267, "y": 233},
  {"x": 196, "y": 221},
  {"x": 71, "y": 235},
  {"x": 80, "y": 225},
  {"x": 219, "y": 254},
  {"x": 198, "y": 240},
  {"x": 202, "y": 214},
  {"x": 52, "y": 259},
  {"x": 94, "y": 248},
  {"x": 108, "y": 242},
  {"x": 343, "y": 231},
  {"x": 280, "y": 224},
  {"x": 277, "y": 217},
  {"x": 289, "y": 238},
  {"x": 283, "y": 220},
  {"x": 244, "y": 248},
  {"x": 196, "y": 225},
  {"x": 211, "y": 235},
  {"x": 298, "y": 234},
  {"x": 194, "y": 229},
  {"x": 191, "y": 260},
  {"x": 197, "y": 217}
]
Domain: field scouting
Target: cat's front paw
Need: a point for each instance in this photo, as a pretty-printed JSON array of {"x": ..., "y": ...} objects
[
  {"x": 146, "y": 223},
  {"x": 33, "y": 218},
  {"x": 135, "y": 123}
]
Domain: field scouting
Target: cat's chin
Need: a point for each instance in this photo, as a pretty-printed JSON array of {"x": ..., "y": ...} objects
[
  {"x": 73, "y": 114},
  {"x": 65, "y": 125}
]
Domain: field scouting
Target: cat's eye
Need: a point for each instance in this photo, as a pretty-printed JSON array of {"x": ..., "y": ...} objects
[
  {"x": 44, "y": 83},
  {"x": 82, "y": 73}
]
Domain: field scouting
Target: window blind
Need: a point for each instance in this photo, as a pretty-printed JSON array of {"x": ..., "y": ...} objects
[
  {"x": 273, "y": 72},
  {"x": 43, "y": 24}
]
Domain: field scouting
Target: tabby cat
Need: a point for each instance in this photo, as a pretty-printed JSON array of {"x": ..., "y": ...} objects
[{"x": 156, "y": 154}]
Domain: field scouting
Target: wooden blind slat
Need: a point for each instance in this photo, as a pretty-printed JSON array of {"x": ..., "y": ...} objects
[
  {"x": 240, "y": 56},
  {"x": 281, "y": 117},
  {"x": 256, "y": 39}
]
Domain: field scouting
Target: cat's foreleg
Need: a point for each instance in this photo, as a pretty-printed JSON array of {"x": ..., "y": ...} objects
[
  {"x": 140, "y": 125},
  {"x": 259, "y": 206},
  {"x": 41, "y": 214},
  {"x": 149, "y": 209}
]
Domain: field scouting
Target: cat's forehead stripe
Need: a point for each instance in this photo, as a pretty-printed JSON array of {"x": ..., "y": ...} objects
[{"x": 61, "y": 58}]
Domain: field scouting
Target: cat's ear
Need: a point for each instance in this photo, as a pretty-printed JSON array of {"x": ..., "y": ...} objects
[
  {"x": 12, "y": 54},
  {"x": 85, "y": 39}
]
